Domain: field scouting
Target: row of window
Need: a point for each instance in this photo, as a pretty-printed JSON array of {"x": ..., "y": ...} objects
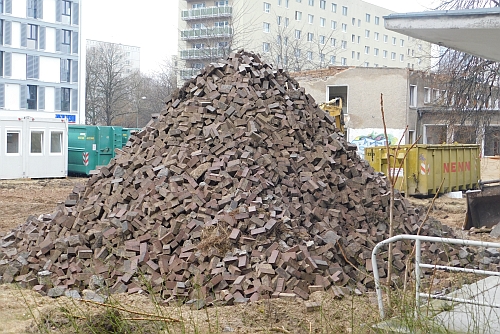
[
  {"x": 37, "y": 146},
  {"x": 310, "y": 57},
  {"x": 34, "y": 37},
  {"x": 356, "y": 55},
  {"x": 322, "y": 5},
  {"x": 68, "y": 67},
  {"x": 33, "y": 98},
  {"x": 66, "y": 11}
]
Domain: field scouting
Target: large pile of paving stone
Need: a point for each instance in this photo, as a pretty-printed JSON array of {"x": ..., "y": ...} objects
[{"x": 242, "y": 189}]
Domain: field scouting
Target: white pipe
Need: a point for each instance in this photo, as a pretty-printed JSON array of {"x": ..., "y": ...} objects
[{"x": 460, "y": 300}]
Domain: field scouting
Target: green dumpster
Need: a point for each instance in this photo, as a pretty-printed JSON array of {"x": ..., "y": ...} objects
[
  {"x": 90, "y": 146},
  {"x": 429, "y": 169},
  {"x": 127, "y": 132}
]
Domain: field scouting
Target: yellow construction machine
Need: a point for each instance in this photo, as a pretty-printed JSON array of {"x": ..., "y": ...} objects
[{"x": 334, "y": 108}]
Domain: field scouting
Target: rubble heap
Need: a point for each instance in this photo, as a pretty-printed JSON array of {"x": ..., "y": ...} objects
[{"x": 242, "y": 188}]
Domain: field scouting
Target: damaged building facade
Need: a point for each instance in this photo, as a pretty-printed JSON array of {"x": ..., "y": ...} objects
[{"x": 413, "y": 107}]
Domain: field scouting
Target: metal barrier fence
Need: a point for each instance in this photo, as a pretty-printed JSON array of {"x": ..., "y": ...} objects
[{"x": 418, "y": 240}]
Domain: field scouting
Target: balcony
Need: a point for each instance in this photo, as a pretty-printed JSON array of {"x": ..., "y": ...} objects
[
  {"x": 209, "y": 53},
  {"x": 188, "y": 73},
  {"x": 204, "y": 33},
  {"x": 206, "y": 12}
]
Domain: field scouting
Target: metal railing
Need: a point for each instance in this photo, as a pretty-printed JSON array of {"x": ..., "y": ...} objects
[
  {"x": 206, "y": 12},
  {"x": 418, "y": 264},
  {"x": 208, "y": 53},
  {"x": 188, "y": 73},
  {"x": 206, "y": 33}
]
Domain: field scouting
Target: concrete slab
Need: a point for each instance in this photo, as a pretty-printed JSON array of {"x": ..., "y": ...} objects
[{"x": 453, "y": 317}]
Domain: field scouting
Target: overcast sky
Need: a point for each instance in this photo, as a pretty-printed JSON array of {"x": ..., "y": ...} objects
[{"x": 152, "y": 24}]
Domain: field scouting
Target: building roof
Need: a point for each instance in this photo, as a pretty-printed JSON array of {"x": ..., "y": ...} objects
[{"x": 473, "y": 31}]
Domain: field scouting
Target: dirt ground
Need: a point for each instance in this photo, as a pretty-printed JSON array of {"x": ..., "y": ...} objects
[{"x": 21, "y": 198}]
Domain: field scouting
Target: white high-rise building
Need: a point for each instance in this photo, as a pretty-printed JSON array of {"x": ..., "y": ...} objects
[
  {"x": 295, "y": 34},
  {"x": 39, "y": 58}
]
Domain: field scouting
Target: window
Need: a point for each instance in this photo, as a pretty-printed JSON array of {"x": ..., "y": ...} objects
[
  {"x": 33, "y": 10},
  {"x": 402, "y": 42},
  {"x": 413, "y": 96},
  {"x": 287, "y": 22},
  {"x": 65, "y": 97},
  {"x": 1, "y": 63},
  {"x": 32, "y": 67},
  {"x": 344, "y": 10},
  {"x": 225, "y": 3},
  {"x": 366, "y": 64},
  {"x": 353, "y": 21},
  {"x": 309, "y": 55},
  {"x": 367, "y": 50},
  {"x": 13, "y": 142},
  {"x": 384, "y": 53},
  {"x": 385, "y": 38},
  {"x": 376, "y": 65},
  {"x": 66, "y": 11},
  {"x": 401, "y": 57},
  {"x": 297, "y": 34},
  {"x": 322, "y": 21},
  {"x": 286, "y": 3},
  {"x": 322, "y": 4},
  {"x": 375, "y": 36},
  {"x": 333, "y": 42},
  {"x": 56, "y": 142},
  {"x": 367, "y": 18},
  {"x": 221, "y": 24},
  {"x": 266, "y": 47},
  {"x": 343, "y": 45},
  {"x": 31, "y": 101},
  {"x": 310, "y": 36},
  {"x": 195, "y": 5},
  {"x": 334, "y": 7},
  {"x": 394, "y": 41},
  {"x": 367, "y": 33},
  {"x": 377, "y": 20},
  {"x": 222, "y": 44},
  {"x": 375, "y": 51},
  {"x": 332, "y": 60},
  {"x": 359, "y": 23},
  {"x": 353, "y": 38},
  {"x": 353, "y": 54},
  {"x": 278, "y": 39},
  {"x": 298, "y": 15},
  {"x": 343, "y": 61},
  {"x": 36, "y": 144},
  {"x": 285, "y": 41},
  {"x": 310, "y": 18},
  {"x": 311, "y": 2},
  {"x": 393, "y": 55},
  {"x": 334, "y": 25},
  {"x": 357, "y": 55},
  {"x": 435, "y": 95},
  {"x": 427, "y": 95},
  {"x": 267, "y": 7},
  {"x": 278, "y": 20},
  {"x": 66, "y": 38},
  {"x": 322, "y": 57},
  {"x": 267, "y": 27},
  {"x": 359, "y": 39},
  {"x": 32, "y": 36},
  {"x": 322, "y": 39},
  {"x": 344, "y": 27},
  {"x": 279, "y": 2},
  {"x": 298, "y": 53}
]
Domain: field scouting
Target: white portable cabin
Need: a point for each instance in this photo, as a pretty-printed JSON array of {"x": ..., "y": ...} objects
[{"x": 33, "y": 148}]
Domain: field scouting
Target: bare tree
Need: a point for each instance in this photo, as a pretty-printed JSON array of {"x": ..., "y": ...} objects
[
  {"x": 108, "y": 85},
  {"x": 471, "y": 84}
]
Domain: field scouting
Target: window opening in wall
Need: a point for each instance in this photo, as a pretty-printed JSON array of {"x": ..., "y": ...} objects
[
  {"x": 413, "y": 96},
  {"x": 66, "y": 12},
  {"x": 226, "y": 3},
  {"x": 322, "y": 21},
  {"x": 36, "y": 145},
  {"x": 56, "y": 142},
  {"x": 427, "y": 95},
  {"x": 267, "y": 7},
  {"x": 32, "y": 97},
  {"x": 367, "y": 18},
  {"x": 32, "y": 36},
  {"x": 322, "y": 4},
  {"x": 13, "y": 142},
  {"x": 66, "y": 39},
  {"x": 65, "y": 98},
  {"x": 1, "y": 63},
  {"x": 334, "y": 7},
  {"x": 377, "y": 20},
  {"x": 344, "y": 10},
  {"x": 33, "y": 10}
]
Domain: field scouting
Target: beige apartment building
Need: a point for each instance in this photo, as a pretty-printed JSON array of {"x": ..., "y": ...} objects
[{"x": 295, "y": 34}]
